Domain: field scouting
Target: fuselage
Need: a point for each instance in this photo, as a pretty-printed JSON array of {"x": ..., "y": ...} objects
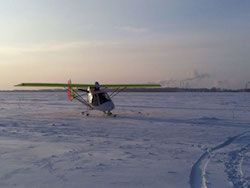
[{"x": 99, "y": 100}]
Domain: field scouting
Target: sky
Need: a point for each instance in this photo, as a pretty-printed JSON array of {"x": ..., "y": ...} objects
[{"x": 186, "y": 43}]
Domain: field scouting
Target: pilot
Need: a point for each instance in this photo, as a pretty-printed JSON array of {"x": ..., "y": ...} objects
[{"x": 97, "y": 86}]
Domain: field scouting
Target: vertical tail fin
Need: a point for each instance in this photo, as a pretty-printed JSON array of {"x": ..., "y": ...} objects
[{"x": 70, "y": 91}]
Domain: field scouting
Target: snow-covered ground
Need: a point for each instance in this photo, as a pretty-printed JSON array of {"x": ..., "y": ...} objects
[{"x": 157, "y": 140}]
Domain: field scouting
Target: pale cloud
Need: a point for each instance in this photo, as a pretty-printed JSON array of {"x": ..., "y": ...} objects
[
  {"x": 53, "y": 47},
  {"x": 132, "y": 29}
]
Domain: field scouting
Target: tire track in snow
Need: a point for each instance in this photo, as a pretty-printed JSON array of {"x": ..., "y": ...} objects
[
  {"x": 198, "y": 172},
  {"x": 234, "y": 167}
]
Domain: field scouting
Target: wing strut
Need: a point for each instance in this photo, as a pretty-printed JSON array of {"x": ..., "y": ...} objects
[{"x": 117, "y": 91}]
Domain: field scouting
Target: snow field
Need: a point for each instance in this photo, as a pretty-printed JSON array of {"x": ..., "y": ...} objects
[{"x": 155, "y": 141}]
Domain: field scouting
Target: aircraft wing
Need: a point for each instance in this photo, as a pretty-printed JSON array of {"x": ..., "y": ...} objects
[
  {"x": 65, "y": 85},
  {"x": 132, "y": 85},
  {"x": 53, "y": 85}
]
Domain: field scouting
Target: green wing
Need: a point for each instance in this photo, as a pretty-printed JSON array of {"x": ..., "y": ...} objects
[
  {"x": 132, "y": 85},
  {"x": 54, "y": 85}
]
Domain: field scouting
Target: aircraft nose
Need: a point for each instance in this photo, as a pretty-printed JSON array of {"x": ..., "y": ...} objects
[
  {"x": 107, "y": 106},
  {"x": 111, "y": 106}
]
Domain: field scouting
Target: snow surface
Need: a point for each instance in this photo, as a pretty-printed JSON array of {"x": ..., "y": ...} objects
[{"x": 157, "y": 140}]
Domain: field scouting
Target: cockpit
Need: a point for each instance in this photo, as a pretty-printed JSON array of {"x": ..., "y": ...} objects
[{"x": 97, "y": 99}]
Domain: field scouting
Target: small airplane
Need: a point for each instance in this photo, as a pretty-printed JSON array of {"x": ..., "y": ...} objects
[{"x": 97, "y": 95}]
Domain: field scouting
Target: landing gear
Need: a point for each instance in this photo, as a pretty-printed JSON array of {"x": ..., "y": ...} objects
[
  {"x": 109, "y": 113},
  {"x": 85, "y": 113}
]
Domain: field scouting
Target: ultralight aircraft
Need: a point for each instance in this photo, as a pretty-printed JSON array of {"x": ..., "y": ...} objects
[{"x": 97, "y": 95}]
